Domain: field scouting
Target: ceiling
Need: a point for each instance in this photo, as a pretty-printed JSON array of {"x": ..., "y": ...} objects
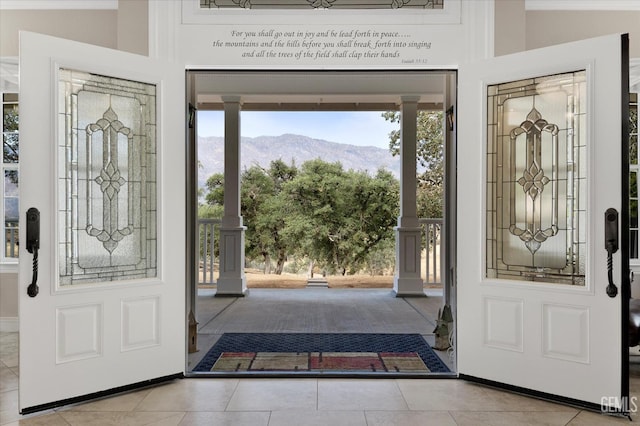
[{"x": 320, "y": 90}]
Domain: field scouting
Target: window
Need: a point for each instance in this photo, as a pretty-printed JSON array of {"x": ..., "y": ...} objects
[
  {"x": 634, "y": 168},
  {"x": 9, "y": 190},
  {"x": 322, "y": 4},
  {"x": 108, "y": 180},
  {"x": 536, "y": 174}
]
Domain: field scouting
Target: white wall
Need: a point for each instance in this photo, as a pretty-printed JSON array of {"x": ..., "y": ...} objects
[
  {"x": 548, "y": 28},
  {"x": 125, "y": 28},
  {"x": 91, "y": 26}
]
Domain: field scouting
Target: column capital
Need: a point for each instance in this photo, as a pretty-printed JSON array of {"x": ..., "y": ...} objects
[
  {"x": 407, "y": 99},
  {"x": 228, "y": 99},
  {"x": 231, "y": 222},
  {"x": 408, "y": 222}
]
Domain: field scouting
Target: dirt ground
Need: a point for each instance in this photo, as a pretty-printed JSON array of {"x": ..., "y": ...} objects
[{"x": 257, "y": 279}]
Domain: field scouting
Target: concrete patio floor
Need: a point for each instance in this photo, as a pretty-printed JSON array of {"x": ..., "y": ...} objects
[{"x": 315, "y": 310}]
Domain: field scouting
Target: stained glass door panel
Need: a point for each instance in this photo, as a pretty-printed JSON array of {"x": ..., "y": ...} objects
[
  {"x": 536, "y": 179},
  {"x": 107, "y": 178}
]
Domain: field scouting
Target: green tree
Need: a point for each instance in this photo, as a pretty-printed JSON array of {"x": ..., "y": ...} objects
[
  {"x": 371, "y": 215},
  {"x": 213, "y": 194},
  {"x": 430, "y": 159},
  {"x": 340, "y": 220},
  {"x": 263, "y": 210},
  {"x": 314, "y": 221},
  {"x": 338, "y": 217},
  {"x": 270, "y": 223},
  {"x": 10, "y": 126},
  {"x": 215, "y": 190},
  {"x": 256, "y": 188}
]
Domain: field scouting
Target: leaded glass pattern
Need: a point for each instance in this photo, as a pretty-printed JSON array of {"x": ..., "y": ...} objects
[
  {"x": 106, "y": 179},
  {"x": 634, "y": 235},
  {"x": 633, "y": 128},
  {"x": 322, "y": 4},
  {"x": 9, "y": 170},
  {"x": 536, "y": 179},
  {"x": 10, "y": 135},
  {"x": 10, "y": 208}
]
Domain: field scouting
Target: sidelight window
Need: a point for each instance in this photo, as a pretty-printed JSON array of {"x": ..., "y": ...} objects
[{"x": 9, "y": 170}]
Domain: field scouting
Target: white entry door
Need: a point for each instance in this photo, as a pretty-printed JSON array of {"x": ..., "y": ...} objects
[
  {"x": 102, "y": 161},
  {"x": 540, "y": 163}
]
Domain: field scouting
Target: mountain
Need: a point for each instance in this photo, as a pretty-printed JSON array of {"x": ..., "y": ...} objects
[{"x": 262, "y": 150}]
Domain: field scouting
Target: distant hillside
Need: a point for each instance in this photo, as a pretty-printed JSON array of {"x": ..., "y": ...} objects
[{"x": 264, "y": 149}]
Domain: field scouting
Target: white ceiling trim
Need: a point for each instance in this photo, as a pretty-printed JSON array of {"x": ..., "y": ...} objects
[
  {"x": 58, "y": 4},
  {"x": 582, "y": 5}
]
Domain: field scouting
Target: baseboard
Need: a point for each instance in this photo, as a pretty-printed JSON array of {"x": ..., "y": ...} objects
[{"x": 9, "y": 324}]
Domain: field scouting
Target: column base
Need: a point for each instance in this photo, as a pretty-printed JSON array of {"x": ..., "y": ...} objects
[
  {"x": 408, "y": 287},
  {"x": 232, "y": 287},
  {"x": 407, "y": 281},
  {"x": 232, "y": 281}
]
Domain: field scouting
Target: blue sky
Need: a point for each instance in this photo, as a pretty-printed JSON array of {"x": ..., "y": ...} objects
[{"x": 365, "y": 128}]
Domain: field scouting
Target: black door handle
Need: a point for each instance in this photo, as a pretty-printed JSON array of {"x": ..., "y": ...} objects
[
  {"x": 611, "y": 245},
  {"x": 33, "y": 245}
]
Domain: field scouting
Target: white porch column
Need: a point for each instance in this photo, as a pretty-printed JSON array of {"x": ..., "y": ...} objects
[
  {"x": 407, "y": 281},
  {"x": 232, "y": 281}
]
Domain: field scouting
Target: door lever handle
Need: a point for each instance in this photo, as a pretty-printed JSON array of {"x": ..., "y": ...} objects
[
  {"x": 611, "y": 245},
  {"x": 33, "y": 288},
  {"x": 33, "y": 244},
  {"x": 612, "y": 289}
]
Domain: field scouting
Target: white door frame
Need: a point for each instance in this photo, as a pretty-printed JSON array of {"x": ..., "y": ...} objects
[{"x": 432, "y": 84}]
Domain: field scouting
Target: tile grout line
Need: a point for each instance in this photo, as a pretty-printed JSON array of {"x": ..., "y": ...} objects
[{"x": 235, "y": 389}]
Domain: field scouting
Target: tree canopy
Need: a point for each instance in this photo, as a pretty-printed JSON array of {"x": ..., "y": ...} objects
[
  {"x": 10, "y": 123},
  {"x": 337, "y": 217},
  {"x": 429, "y": 159},
  {"x": 333, "y": 217}
]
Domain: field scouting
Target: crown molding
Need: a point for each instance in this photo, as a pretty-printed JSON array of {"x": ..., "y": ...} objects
[
  {"x": 58, "y": 4},
  {"x": 582, "y": 5}
]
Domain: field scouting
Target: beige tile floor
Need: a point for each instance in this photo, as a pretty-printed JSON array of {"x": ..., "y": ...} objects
[{"x": 334, "y": 402}]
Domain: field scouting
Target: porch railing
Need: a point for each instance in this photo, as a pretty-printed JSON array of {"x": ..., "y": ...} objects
[
  {"x": 208, "y": 258},
  {"x": 11, "y": 239},
  {"x": 432, "y": 240},
  {"x": 207, "y": 250}
]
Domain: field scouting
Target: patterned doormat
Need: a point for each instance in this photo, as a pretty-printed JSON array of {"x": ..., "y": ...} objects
[{"x": 321, "y": 353}]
